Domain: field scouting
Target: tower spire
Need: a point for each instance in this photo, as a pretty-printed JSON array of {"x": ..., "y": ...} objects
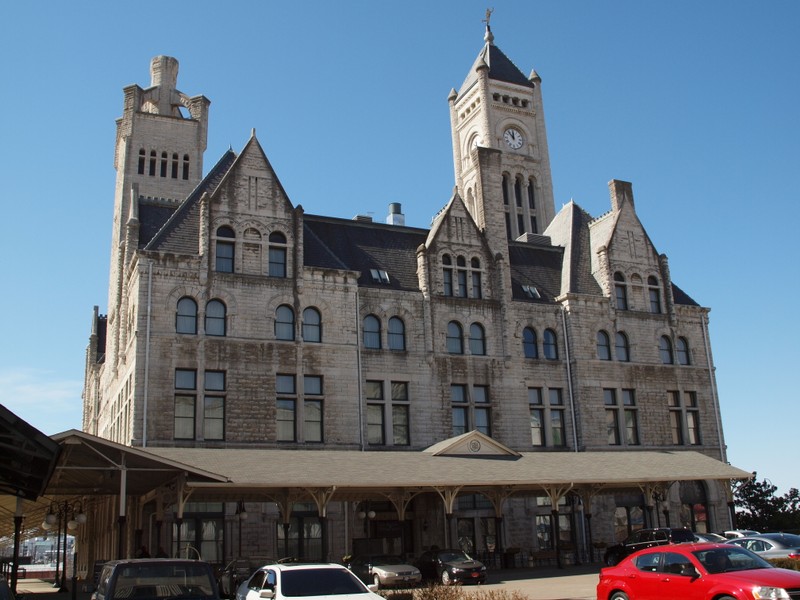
[{"x": 488, "y": 36}]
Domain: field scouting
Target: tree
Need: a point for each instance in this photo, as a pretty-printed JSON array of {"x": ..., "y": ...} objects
[{"x": 759, "y": 508}]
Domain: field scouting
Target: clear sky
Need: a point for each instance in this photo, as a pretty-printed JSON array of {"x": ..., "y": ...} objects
[{"x": 696, "y": 103}]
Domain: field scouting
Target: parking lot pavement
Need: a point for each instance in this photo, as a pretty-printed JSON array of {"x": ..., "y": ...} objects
[{"x": 569, "y": 583}]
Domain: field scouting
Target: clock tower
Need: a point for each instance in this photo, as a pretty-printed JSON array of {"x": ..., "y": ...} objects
[{"x": 502, "y": 165}]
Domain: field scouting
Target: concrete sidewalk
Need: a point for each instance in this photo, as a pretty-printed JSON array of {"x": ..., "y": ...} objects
[{"x": 569, "y": 583}]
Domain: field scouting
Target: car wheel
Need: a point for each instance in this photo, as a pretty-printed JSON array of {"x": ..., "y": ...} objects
[
  {"x": 621, "y": 596},
  {"x": 446, "y": 579},
  {"x": 376, "y": 579}
]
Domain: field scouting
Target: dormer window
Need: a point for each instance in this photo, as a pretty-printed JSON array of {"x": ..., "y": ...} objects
[
  {"x": 379, "y": 276},
  {"x": 531, "y": 292}
]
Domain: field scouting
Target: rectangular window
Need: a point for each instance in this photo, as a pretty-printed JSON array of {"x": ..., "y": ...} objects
[
  {"x": 537, "y": 416},
  {"x": 185, "y": 404},
  {"x": 684, "y": 418},
  {"x": 375, "y": 425},
  {"x": 448, "y": 282},
  {"x": 224, "y": 263},
  {"x": 692, "y": 418},
  {"x": 612, "y": 417},
  {"x": 557, "y": 428},
  {"x": 277, "y": 262},
  {"x": 631, "y": 426},
  {"x": 460, "y": 422},
  {"x": 483, "y": 421},
  {"x": 214, "y": 406},
  {"x": 286, "y": 413},
  {"x": 462, "y": 283},
  {"x": 312, "y": 408},
  {"x": 401, "y": 433}
]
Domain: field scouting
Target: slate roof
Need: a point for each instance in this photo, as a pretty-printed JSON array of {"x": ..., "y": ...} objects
[
  {"x": 360, "y": 246},
  {"x": 176, "y": 230},
  {"x": 539, "y": 266},
  {"x": 501, "y": 68}
]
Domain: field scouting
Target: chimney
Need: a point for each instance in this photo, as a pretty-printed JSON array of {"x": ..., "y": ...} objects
[
  {"x": 396, "y": 216},
  {"x": 621, "y": 192}
]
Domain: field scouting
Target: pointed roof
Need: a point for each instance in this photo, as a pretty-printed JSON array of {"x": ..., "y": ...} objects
[
  {"x": 472, "y": 443},
  {"x": 500, "y": 66},
  {"x": 570, "y": 230}
]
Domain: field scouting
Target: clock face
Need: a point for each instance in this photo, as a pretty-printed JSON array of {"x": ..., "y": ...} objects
[{"x": 513, "y": 138}]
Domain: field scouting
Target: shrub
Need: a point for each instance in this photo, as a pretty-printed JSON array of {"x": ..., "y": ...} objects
[
  {"x": 786, "y": 563},
  {"x": 455, "y": 592}
]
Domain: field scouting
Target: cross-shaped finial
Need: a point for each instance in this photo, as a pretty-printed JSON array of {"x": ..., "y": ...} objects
[{"x": 489, "y": 12}]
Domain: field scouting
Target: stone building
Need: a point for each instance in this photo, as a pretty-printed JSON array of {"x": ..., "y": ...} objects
[{"x": 240, "y": 326}]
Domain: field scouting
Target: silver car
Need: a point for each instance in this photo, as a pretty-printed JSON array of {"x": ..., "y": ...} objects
[{"x": 771, "y": 545}]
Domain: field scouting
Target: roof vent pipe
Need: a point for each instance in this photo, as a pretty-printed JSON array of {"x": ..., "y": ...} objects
[{"x": 396, "y": 216}]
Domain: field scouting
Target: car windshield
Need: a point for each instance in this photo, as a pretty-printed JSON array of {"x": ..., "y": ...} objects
[
  {"x": 319, "y": 582},
  {"x": 453, "y": 556},
  {"x": 156, "y": 581},
  {"x": 730, "y": 558}
]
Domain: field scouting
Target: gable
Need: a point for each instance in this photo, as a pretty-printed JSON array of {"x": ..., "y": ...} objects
[
  {"x": 472, "y": 443},
  {"x": 251, "y": 189}
]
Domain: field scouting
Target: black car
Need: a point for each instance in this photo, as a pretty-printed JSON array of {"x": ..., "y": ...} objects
[
  {"x": 646, "y": 538},
  {"x": 451, "y": 566}
]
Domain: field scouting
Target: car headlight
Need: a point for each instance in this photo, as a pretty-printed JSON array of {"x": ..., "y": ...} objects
[
  {"x": 456, "y": 570},
  {"x": 483, "y": 568},
  {"x": 772, "y": 593}
]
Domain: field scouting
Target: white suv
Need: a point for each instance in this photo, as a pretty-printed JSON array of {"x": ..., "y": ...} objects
[{"x": 306, "y": 581}]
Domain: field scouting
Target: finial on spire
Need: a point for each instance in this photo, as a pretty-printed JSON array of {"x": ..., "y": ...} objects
[{"x": 488, "y": 36}]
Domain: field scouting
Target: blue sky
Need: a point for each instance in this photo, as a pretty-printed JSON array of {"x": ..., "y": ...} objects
[{"x": 693, "y": 102}]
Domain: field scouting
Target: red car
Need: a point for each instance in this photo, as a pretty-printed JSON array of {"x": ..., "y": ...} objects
[{"x": 697, "y": 572}]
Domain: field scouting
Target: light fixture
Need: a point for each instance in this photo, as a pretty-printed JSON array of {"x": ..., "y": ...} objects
[
  {"x": 241, "y": 511},
  {"x": 46, "y": 526}
]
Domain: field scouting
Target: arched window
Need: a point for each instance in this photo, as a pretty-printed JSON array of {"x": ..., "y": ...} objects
[
  {"x": 665, "y": 349},
  {"x": 447, "y": 274},
  {"x": 518, "y": 191},
  {"x": 397, "y": 334},
  {"x": 372, "y": 332},
  {"x": 163, "y": 164},
  {"x": 505, "y": 189},
  {"x": 215, "y": 318},
  {"x": 142, "y": 159},
  {"x": 284, "y": 323},
  {"x": 185, "y": 166},
  {"x": 603, "y": 346},
  {"x": 477, "y": 340},
  {"x": 530, "y": 343},
  {"x": 312, "y": 325},
  {"x": 683, "y": 351},
  {"x": 475, "y": 264},
  {"x": 225, "y": 249},
  {"x": 622, "y": 347},
  {"x": 654, "y": 292},
  {"x": 152, "y": 171},
  {"x": 174, "y": 166},
  {"x": 621, "y": 291},
  {"x": 455, "y": 338},
  {"x": 532, "y": 194},
  {"x": 186, "y": 316},
  {"x": 277, "y": 254},
  {"x": 550, "y": 344}
]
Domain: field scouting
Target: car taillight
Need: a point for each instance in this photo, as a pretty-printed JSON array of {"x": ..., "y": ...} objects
[{"x": 794, "y": 555}]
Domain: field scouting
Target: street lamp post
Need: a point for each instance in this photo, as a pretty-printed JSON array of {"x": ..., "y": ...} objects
[{"x": 67, "y": 516}]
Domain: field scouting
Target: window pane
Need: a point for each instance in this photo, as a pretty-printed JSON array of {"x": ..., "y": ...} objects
[
  {"x": 537, "y": 432},
  {"x": 284, "y": 384},
  {"x": 459, "y": 420},
  {"x": 462, "y": 284},
  {"x": 610, "y": 397},
  {"x": 215, "y": 318},
  {"x": 399, "y": 390},
  {"x": 224, "y": 259},
  {"x": 447, "y": 274},
  {"x": 312, "y": 325},
  {"x": 557, "y": 427},
  {"x": 476, "y": 285},
  {"x": 655, "y": 300},
  {"x": 480, "y": 394},
  {"x": 284, "y": 323},
  {"x": 285, "y": 420},
  {"x": 397, "y": 334},
  {"x": 214, "y": 418},
  {"x": 185, "y": 379},
  {"x": 454, "y": 338},
  {"x": 550, "y": 345},
  {"x": 534, "y": 395},
  {"x": 215, "y": 380},
  {"x": 612, "y": 427},
  {"x": 555, "y": 397},
  {"x": 312, "y": 384},
  {"x": 375, "y": 424},
  {"x": 313, "y": 420},
  {"x": 529, "y": 345},
  {"x": 372, "y": 332},
  {"x": 693, "y": 427},
  {"x": 683, "y": 351},
  {"x": 374, "y": 390},
  {"x": 483, "y": 421},
  {"x": 665, "y": 349},
  {"x": 675, "y": 425},
  {"x": 477, "y": 344},
  {"x": 400, "y": 433},
  {"x": 184, "y": 417},
  {"x": 631, "y": 430},
  {"x": 622, "y": 347},
  {"x": 277, "y": 262},
  {"x": 186, "y": 318},
  {"x": 603, "y": 346},
  {"x": 458, "y": 393}
]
